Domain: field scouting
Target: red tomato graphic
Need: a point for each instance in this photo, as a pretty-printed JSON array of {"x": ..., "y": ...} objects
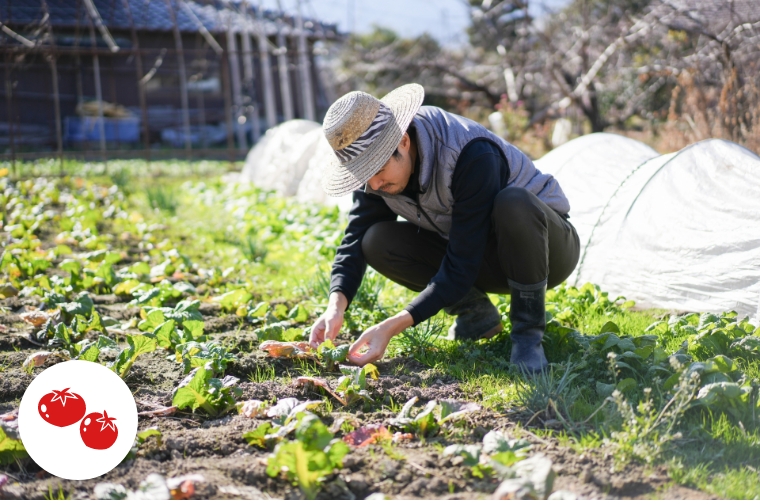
[
  {"x": 98, "y": 431},
  {"x": 61, "y": 407}
]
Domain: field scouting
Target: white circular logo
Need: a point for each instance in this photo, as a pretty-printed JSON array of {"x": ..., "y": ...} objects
[{"x": 77, "y": 420}]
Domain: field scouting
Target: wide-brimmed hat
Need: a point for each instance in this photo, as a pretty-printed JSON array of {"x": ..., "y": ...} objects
[{"x": 364, "y": 132}]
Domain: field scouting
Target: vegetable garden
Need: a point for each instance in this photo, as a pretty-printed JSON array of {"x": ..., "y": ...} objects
[{"x": 200, "y": 295}]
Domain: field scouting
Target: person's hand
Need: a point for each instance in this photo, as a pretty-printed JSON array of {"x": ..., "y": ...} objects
[
  {"x": 375, "y": 339},
  {"x": 329, "y": 323}
]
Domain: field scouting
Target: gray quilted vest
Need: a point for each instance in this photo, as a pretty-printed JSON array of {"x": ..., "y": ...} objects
[{"x": 441, "y": 136}]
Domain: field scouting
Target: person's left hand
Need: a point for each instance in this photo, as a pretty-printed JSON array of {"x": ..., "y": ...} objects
[{"x": 375, "y": 340}]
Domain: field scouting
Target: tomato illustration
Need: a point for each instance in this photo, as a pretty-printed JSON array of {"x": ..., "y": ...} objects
[
  {"x": 98, "y": 431},
  {"x": 61, "y": 407}
]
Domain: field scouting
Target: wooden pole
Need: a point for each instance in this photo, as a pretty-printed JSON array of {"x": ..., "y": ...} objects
[
  {"x": 228, "y": 110},
  {"x": 140, "y": 84},
  {"x": 201, "y": 104},
  {"x": 266, "y": 72},
  {"x": 9, "y": 110},
  {"x": 51, "y": 57},
  {"x": 182, "y": 79},
  {"x": 250, "y": 83},
  {"x": 57, "y": 110},
  {"x": 237, "y": 91},
  {"x": 304, "y": 64},
  {"x": 98, "y": 94},
  {"x": 282, "y": 66}
]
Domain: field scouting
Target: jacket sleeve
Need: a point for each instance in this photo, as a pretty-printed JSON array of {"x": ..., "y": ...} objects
[
  {"x": 349, "y": 264},
  {"x": 475, "y": 184}
]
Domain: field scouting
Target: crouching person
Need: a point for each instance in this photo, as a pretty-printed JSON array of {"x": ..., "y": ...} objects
[{"x": 479, "y": 218}]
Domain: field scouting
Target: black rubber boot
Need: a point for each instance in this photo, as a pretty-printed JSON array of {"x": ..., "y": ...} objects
[
  {"x": 477, "y": 317},
  {"x": 528, "y": 316}
]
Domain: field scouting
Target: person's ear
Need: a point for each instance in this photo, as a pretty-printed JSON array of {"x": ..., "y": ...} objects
[{"x": 405, "y": 143}]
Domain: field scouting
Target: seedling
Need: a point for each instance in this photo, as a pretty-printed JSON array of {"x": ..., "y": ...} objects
[
  {"x": 313, "y": 455},
  {"x": 214, "y": 396}
]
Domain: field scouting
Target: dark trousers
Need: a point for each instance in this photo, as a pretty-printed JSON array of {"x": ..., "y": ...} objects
[{"x": 529, "y": 243}]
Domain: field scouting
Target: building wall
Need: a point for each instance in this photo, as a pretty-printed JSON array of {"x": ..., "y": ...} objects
[{"x": 30, "y": 76}]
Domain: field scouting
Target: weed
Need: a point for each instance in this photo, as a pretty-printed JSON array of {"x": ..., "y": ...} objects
[
  {"x": 540, "y": 392},
  {"x": 261, "y": 374},
  {"x": 56, "y": 495},
  {"x": 644, "y": 433},
  {"x": 162, "y": 198},
  {"x": 391, "y": 451},
  {"x": 252, "y": 249},
  {"x": 420, "y": 341}
]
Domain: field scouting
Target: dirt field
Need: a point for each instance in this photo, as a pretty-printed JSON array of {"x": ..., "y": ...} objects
[{"x": 231, "y": 469}]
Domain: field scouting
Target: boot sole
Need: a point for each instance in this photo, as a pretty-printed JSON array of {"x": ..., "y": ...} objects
[
  {"x": 492, "y": 332},
  {"x": 486, "y": 335}
]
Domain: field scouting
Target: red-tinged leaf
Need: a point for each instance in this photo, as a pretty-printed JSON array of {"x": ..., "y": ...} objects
[
  {"x": 317, "y": 382},
  {"x": 367, "y": 435},
  {"x": 285, "y": 348},
  {"x": 399, "y": 437},
  {"x": 36, "y": 318},
  {"x": 36, "y": 360},
  {"x": 9, "y": 417},
  {"x": 183, "y": 487}
]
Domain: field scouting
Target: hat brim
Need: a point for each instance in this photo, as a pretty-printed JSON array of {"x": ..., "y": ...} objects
[{"x": 340, "y": 178}]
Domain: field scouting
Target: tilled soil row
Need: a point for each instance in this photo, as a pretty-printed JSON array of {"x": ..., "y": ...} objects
[{"x": 216, "y": 450}]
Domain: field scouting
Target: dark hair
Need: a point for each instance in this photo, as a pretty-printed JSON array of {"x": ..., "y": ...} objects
[{"x": 411, "y": 131}]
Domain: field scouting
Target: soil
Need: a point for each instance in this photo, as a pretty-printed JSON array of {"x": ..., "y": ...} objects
[{"x": 215, "y": 448}]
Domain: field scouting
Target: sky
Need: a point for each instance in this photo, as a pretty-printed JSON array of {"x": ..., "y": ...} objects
[{"x": 446, "y": 20}]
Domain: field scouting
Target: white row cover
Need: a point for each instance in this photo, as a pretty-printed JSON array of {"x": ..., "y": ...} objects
[
  {"x": 289, "y": 159},
  {"x": 679, "y": 231}
]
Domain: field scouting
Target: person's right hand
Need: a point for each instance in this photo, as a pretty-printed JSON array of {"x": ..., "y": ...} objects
[{"x": 329, "y": 323}]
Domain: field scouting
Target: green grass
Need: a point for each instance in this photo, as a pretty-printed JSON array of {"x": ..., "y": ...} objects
[{"x": 262, "y": 374}]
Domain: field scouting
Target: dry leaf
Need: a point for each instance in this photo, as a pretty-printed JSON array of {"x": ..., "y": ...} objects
[
  {"x": 367, "y": 435},
  {"x": 285, "y": 348},
  {"x": 7, "y": 290},
  {"x": 36, "y": 360},
  {"x": 322, "y": 383},
  {"x": 253, "y": 408},
  {"x": 169, "y": 410}
]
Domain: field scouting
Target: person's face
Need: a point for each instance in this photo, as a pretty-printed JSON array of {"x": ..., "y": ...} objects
[{"x": 394, "y": 175}]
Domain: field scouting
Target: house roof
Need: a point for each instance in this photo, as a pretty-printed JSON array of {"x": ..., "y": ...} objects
[{"x": 154, "y": 15}]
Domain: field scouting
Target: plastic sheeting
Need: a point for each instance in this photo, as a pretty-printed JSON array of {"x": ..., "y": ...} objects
[
  {"x": 679, "y": 231},
  {"x": 279, "y": 160},
  {"x": 290, "y": 159}
]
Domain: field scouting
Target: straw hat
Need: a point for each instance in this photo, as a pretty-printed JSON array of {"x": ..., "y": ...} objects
[{"x": 364, "y": 132}]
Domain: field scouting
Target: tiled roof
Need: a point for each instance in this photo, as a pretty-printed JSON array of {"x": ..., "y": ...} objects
[{"x": 153, "y": 15}]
